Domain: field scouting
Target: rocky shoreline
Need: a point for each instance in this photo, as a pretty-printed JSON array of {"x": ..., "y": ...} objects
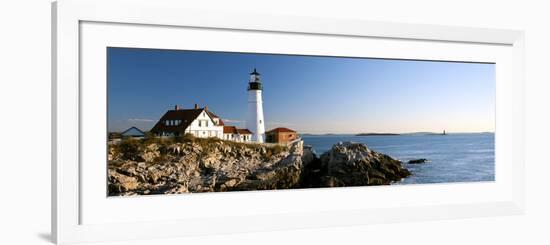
[
  {"x": 144, "y": 167},
  {"x": 353, "y": 164}
]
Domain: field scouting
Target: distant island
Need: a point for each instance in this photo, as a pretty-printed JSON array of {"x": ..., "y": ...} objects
[
  {"x": 327, "y": 134},
  {"x": 422, "y": 133},
  {"x": 375, "y": 134}
]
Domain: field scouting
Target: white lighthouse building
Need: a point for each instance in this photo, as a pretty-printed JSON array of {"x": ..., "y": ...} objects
[{"x": 255, "y": 118}]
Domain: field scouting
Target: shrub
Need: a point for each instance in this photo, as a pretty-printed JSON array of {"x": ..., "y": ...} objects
[
  {"x": 151, "y": 138},
  {"x": 129, "y": 149},
  {"x": 270, "y": 151},
  {"x": 185, "y": 138},
  {"x": 278, "y": 149},
  {"x": 163, "y": 158},
  {"x": 114, "y": 135}
]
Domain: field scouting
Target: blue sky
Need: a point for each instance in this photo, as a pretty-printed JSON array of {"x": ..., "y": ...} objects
[{"x": 310, "y": 94}]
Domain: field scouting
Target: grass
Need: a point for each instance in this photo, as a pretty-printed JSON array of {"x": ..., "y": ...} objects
[{"x": 130, "y": 148}]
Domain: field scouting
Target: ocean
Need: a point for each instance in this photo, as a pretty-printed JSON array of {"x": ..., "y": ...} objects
[{"x": 460, "y": 157}]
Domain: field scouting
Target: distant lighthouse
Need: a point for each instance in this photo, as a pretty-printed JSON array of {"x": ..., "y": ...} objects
[{"x": 255, "y": 118}]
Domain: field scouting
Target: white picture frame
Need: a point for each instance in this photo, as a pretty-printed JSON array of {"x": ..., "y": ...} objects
[{"x": 69, "y": 196}]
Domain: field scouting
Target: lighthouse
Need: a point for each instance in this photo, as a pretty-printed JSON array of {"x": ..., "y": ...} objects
[{"x": 255, "y": 117}]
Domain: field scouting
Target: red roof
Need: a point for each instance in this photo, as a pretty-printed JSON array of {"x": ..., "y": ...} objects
[
  {"x": 243, "y": 131},
  {"x": 235, "y": 130},
  {"x": 229, "y": 129},
  {"x": 281, "y": 130},
  {"x": 212, "y": 115}
]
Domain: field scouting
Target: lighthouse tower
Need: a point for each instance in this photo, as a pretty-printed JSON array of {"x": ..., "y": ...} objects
[{"x": 255, "y": 118}]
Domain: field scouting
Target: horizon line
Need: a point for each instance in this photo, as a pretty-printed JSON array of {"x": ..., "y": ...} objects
[
  {"x": 373, "y": 133},
  {"x": 415, "y": 132}
]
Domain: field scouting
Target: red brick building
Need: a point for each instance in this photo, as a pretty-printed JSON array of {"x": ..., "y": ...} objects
[{"x": 281, "y": 135}]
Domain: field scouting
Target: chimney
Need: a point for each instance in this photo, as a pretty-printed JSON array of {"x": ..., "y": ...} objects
[
  {"x": 196, "y": 106},
  {"x": 176, "y": 107},
  {"x": 206, "y": 108}
]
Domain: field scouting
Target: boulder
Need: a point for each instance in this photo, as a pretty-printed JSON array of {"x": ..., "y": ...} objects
[
  {"x": 122, "y": 182},
  {"x": 354, "y": 164},
  {"x": 417, "y": 161}
]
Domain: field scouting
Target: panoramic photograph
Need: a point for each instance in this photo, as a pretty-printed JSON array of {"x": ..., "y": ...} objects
[{"x": 182, "y": 121}]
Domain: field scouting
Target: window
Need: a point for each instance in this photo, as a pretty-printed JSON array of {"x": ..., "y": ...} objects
[
  {"x": 203, "y": 123},
  {"x": 260, "y": 121}
]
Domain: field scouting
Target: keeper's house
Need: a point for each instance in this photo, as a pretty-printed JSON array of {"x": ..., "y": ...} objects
[
  {"x": 200, "y": 122},
  {"x": 281, "y": 135}
]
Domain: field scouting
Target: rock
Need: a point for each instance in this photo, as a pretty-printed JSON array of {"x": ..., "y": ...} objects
[
  {"x": 123, "y": 182},
  {"x": 282, "y": 174},
  {"x": 230, "y": 183},
  {"x": 418, "y": 161},
  {"x": 308, "y": 154},
  {"x": 150, "y": 153},
  {"x": 153, "y": 175},
  {"x": 354, "y": 164},
  {"x": 206, "y": 165}
]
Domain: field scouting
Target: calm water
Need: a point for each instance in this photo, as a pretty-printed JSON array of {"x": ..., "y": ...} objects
[{"x": 451, "y": 158}]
